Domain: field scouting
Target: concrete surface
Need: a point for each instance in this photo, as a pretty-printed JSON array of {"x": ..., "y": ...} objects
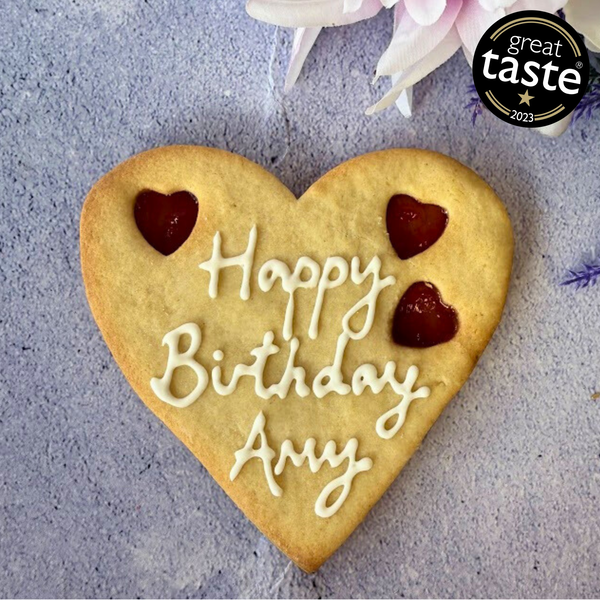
[{"x": 98, "y": 498}]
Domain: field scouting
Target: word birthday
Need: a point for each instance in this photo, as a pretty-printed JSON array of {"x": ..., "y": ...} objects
[{"x": 307, "y": 274}]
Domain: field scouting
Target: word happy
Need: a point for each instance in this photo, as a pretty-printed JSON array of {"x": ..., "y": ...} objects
[{"x": 307, "y": 274}]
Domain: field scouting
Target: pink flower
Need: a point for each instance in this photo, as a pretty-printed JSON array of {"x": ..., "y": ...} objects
[
  {"x": 426, "y": 33},
  {"x": 417, "y": 49}
]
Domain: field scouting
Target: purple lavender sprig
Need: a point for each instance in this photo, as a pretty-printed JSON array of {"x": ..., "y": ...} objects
[
  {"x": 586, "y": 275},
  {"x": 589, "y": 104},
  {"x": 475, "y": 104}
]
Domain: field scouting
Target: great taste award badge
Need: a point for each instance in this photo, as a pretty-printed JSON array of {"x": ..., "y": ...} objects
[{"x": 531, "y": 69}]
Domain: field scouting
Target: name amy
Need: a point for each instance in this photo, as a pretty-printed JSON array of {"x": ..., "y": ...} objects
[{"x": 264, "y": 452}]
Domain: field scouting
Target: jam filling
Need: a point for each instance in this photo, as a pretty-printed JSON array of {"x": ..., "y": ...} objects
[
  {"x": 413, "y": 226},
  {"x": 165, "y": 221},
  {"x": 422, "y": 319}
]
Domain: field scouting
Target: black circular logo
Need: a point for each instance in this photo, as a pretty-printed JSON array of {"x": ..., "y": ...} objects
[{"x": 531, "y": 68}]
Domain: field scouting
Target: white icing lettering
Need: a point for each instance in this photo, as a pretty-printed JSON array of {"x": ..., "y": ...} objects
[
  {"x": 264, "y": 453},
  {"x": 218, "y": 261},
  {"x": 307, "y": 274},
  {"x": 256, "y": 370},
  {"x": 327, "y": 283},
  {"x": 329, "y": 455},
  {"x": 291, "y": 373},
  {"x": 399, "y": 411},
  {"x": 275, "y": 269},
  {"x": 329, "y": 379},
  {"x": 162, "y": 387},
  {"x": 370, "y": 300}
]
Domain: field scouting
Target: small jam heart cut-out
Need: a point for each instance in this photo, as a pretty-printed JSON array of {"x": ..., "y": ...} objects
[
  {"x": 422, "y": 319},
  {"x": 414, "y": 226},
  {"x": 165, "y": 221}
]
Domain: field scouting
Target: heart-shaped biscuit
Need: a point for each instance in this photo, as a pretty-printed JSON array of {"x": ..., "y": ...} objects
[{"x": 265, "y": 340}]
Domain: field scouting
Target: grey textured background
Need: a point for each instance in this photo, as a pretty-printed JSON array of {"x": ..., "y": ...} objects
[{"x": 98, "y": 498}]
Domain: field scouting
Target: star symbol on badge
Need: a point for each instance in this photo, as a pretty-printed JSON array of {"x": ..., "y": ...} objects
[{"x": 525, "y": 98}]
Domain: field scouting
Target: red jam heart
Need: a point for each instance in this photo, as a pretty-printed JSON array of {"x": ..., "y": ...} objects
[
  {"x": 422, "y": 319},
  {"x": 165, "y": 221},
  {"x": 413, "y": 226}
]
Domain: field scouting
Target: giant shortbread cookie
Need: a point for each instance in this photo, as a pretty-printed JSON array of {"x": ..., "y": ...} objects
[{"x": 300, "y": 348}]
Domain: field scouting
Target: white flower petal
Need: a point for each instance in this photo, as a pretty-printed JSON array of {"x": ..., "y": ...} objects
[
  {"x": 492, "y": 5},
  {"x": 444, "y": 50},
  {"x": 550, "y": 6},
  {"x": 304, "y": 38},
  {"x": 389, "y": 3},
  {"x": 411, "y": 42},
  {"x": 472, "y": 22},
  {"x": 399, "y": 12},
  {"x": 557, "y": 128},
  {"x": 425, "y": 12},
  {"x": 584, "y": 15},
  {"x": 310, "y": 13},
  {"x": 351, "y": 6},
  {"x": 591, "y": 46},
  {"x": 404, "y": 102}
]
